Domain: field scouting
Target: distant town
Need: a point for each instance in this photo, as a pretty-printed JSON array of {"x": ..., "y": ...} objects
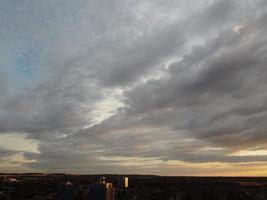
[{"x": 42, "y": 186}]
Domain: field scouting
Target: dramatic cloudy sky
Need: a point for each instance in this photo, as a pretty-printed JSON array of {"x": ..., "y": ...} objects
[{"x": 175, "y": 87}]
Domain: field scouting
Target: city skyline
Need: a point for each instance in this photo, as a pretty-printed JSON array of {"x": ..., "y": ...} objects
[{"x": 176, "y": 88}]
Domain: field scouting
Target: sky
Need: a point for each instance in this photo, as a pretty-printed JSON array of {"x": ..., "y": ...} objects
[{"x": 175, "y": 87}]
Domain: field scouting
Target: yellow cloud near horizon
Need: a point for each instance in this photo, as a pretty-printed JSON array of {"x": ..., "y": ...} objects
[{"x": 18, "y": 142}]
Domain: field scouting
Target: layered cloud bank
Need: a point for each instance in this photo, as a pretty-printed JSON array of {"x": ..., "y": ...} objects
[{"x": 172, "y": 88}]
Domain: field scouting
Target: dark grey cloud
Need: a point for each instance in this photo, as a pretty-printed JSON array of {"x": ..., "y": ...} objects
[
  {"x": 177, "y": 81},
  {"x": 6, "y": 153}
]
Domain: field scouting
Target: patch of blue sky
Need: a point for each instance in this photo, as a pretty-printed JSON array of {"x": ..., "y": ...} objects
[{"x": 25, "y": 66}]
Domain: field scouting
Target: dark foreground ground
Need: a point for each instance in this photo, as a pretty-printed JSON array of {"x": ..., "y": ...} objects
[{"x": 51, "y": 186}]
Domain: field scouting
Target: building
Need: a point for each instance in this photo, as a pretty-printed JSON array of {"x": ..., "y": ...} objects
[
  {"x": 105, "y": 190},
  {"x": 65, "y": 191},
  {"x": 109, "y": 191},
  {"x": 123, "y": 182},
  {"x": 126, "y": 182},
  {"x": 102, "y": 180},
  {"x": 97, "y": 191},
  {"x": 121, "y": 192}
]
